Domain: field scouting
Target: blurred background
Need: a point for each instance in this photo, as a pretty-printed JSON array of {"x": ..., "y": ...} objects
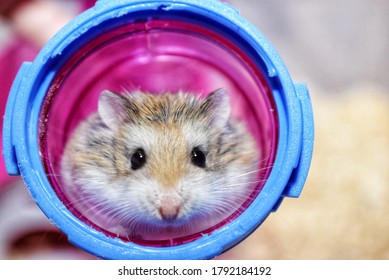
[{"x": 339, "y": 48}]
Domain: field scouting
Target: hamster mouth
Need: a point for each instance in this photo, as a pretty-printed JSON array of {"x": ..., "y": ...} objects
[
  {"x": 172, "y": 220},
  {"x": 168, "y": 216}
]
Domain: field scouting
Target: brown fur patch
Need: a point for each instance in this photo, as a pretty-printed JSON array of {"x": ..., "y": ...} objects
[{"x": 170, "y": 156}]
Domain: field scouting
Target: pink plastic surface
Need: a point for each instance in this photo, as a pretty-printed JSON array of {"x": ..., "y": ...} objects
[{"x": 156, "y": 56}]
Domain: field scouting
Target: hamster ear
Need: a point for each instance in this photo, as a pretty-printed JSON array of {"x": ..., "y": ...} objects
[
  {"x": 112, "y": 108},
  {"x": 219, "y": 107}
]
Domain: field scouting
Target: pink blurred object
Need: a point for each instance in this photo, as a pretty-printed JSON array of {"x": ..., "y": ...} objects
[
  {"x": 18, "y": 50},
  {"x": 20, "y": 225}
]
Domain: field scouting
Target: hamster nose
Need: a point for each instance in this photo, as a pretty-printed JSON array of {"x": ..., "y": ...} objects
[
  {"x": 169, "y": 208},
  {"x": 169, "y": 213}
]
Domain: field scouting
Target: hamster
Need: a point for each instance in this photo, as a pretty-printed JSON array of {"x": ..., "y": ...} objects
[{"x": 155, "y": 166}]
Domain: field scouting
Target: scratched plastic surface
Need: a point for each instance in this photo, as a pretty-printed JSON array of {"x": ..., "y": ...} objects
[{"x": 156, "y": 56}]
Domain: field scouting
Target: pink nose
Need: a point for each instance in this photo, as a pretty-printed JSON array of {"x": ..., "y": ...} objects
[{"x": 169, "y": 208}]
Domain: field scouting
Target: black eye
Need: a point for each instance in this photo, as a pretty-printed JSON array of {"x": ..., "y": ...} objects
[
  {"x": 198, "y": 157},
  {"x": 138, "y": 159}
]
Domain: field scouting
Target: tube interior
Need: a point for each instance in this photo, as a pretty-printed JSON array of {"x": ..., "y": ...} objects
[{"x": 156, "y": 56}]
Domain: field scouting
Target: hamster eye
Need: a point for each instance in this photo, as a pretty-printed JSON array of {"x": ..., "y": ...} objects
[
  {"x": 138, "y": 159},
  {"x": 198, "y": 157}
]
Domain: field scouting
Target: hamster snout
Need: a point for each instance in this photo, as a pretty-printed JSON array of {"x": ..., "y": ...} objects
[
  {"x": 169, "y": 207},
  {"x": 144, "y": 164}
]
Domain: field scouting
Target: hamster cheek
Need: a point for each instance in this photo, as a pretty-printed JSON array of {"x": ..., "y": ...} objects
[
  {"x": 142, "y": 199},
  {"x": 196, "y": 195},
  {"x": 226, "y": 193}
]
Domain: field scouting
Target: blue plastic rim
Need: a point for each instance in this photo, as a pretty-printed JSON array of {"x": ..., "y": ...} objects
[{"x": 21, "y": 125}]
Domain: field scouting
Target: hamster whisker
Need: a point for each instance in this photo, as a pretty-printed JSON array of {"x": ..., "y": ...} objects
[
  {"x": 234, "y": 178},
  {"x": 53, "y": 175},
  {"x": 264, "y": 168},
  {"x": 89, "y": 202},
  {"x": 239, "y": 184},
  {"x": 243, "y": 174},
  {"x": 78, "y": 180}
]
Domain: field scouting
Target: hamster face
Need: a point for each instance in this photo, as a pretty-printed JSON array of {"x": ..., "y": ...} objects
[{"x": 157, "y": 166}]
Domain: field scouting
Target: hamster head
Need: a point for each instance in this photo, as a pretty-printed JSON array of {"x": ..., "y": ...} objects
[{"x": 159, "y": 165}]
